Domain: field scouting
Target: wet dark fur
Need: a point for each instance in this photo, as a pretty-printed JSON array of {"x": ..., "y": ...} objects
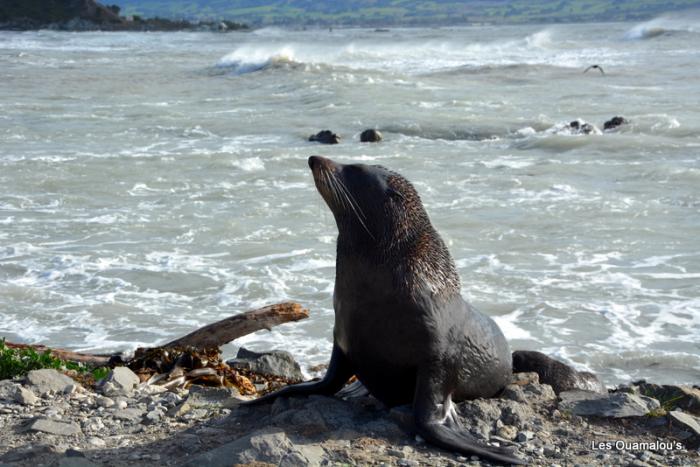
[
  {"x": 401, "y": 325},
  {"x": 555, "y": 373}
]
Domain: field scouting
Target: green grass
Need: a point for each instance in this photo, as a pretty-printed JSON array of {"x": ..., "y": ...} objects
[{"x": 19, "y": 362}]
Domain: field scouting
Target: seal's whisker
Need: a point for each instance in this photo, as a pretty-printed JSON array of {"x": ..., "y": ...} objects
[
  {"x": 353, "y": 204},
  {"x": 350, "y": 198},
  {"x": 331, "y": 186}
]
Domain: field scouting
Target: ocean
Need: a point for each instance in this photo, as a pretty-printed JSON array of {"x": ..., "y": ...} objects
[{"x": 151, "y": 183}]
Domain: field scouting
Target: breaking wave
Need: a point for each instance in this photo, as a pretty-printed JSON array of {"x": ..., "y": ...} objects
[
  {"x": 249, "y": 60},
  {"x": 664, "y": 26}
]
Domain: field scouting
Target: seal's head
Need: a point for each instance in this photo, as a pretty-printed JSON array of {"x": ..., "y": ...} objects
[
  {"x": 373, "y": 204},
  {"x": 381, "y": 217}
]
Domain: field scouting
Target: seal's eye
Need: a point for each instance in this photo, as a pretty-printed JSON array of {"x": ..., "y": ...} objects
[{"x": 394, "y": 194}]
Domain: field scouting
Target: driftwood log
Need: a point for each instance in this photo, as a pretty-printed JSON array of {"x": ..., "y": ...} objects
[
  {"x": 224, "y": 331},
  {"x": 212, "y": 335}
]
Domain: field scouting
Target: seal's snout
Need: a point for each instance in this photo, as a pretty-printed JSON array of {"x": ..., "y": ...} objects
[
  {"x": 313, "y": 160},
  {"x": 317, "y": 162}
]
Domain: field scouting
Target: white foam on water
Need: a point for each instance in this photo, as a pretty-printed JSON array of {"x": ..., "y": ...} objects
[
  {"x": 510, "y": 328},
  {"x": 251, "y": 164},
  {"x": 131, "y": 216}
]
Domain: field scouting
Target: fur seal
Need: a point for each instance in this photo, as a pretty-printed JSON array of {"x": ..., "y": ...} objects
[
  {"x": 555, "y": 373},
  {"x": 325, "y": 137},
  {"x": 370, "y": 136},
  {"x": 401, "y": 325},
  {"x": 614, "y": 123}
]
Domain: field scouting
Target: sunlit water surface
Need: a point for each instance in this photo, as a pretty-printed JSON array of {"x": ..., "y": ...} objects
[{"x": 153, "y": 183}]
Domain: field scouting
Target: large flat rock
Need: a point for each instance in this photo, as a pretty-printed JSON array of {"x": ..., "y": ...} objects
[
  {"x": 54, "y": 427},
  {"x": 615, "y": 405},
  {"x": 271, "y": 447},
  {"x": 49, "y": 381}
]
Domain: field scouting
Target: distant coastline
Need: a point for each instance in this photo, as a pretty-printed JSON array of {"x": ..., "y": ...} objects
[{"x": 89, "y": 15}]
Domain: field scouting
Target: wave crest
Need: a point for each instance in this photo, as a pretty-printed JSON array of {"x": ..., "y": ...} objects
[
  {"x": 249, "y": 59},
  {"x": 665, "y": 25}
]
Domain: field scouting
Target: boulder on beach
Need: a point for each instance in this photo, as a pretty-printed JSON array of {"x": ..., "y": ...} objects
[
  {"x": 325, "y": 137},
  {"x": 275, "y": 363}
]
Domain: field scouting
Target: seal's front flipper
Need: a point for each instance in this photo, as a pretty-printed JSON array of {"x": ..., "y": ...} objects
[
  {"x": 339, "y": 371},
  {"x": 436, "y": 421}
]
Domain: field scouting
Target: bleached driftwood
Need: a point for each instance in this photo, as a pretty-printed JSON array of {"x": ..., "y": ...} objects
[{"x": 212, "y": 335}]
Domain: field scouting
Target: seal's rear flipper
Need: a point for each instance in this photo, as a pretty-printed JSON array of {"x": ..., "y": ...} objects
[
  {"x": 339, "y": 371},
  {"x": 436, "y": 421},
  {"x": 454, "y": 438}
]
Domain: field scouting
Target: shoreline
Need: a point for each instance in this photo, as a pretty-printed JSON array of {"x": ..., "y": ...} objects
[
  {"x": 48, "y": 418},
  {"x": 147, "y": 25}
]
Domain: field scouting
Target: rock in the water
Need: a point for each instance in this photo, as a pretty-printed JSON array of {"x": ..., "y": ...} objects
[
  {"x": 616, "y": 405},
  {"x": 614, "y": 123},
  {"x": 274, "y": 363},
  {"x": 261, "y": 447},
  {"x": 582, "y": 128},
  {"x": 370, "y": 136},
  {"x": 689, "y": 425},
  {"x": 325, "y": 137},
  {"x": 53, "y": 427},
  {"x": 47, "y": 381},
  {"x": 560, "y": 376},
  {"x": 121, "y": 380}
]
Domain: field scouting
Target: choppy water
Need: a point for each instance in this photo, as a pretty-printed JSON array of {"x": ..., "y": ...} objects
[{"x": 152, "y": 183}]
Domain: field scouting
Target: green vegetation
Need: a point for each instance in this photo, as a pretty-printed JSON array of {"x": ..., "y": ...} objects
[
  {"x": 19, "y": 362},
  {"x": 404, "y": 12}
]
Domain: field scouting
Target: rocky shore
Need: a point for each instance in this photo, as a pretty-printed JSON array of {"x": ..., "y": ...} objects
[
  {"x": 47, "y": 418},
  {"x": 89, "y": 15}
]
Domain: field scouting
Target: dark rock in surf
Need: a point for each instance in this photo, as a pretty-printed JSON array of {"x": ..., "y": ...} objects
[
  {"x": 325, "y": 137},
  {"x": 370, "y": 136},
  {"x": 614, "y": 123},
  {"x": 581, "y": 127}
]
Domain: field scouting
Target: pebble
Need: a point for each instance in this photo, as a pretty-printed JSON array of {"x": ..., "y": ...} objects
[
  {"x": 524, "y": 436},
  {"x": 105, "y": 402},
  {"x": 25, "y": 396},
  {"x": 97, "y": 442},
  {"x": 508, "y": 432}
]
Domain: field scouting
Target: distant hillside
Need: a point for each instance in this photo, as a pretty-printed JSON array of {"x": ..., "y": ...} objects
[
  {"x": 90, "y": 15},
  {"x": 43, "y": 12},
  {"x": 405, "y": 12}
]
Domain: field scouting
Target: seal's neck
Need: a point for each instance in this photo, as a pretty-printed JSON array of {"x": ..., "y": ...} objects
[{"x": 418, "y": 261}]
